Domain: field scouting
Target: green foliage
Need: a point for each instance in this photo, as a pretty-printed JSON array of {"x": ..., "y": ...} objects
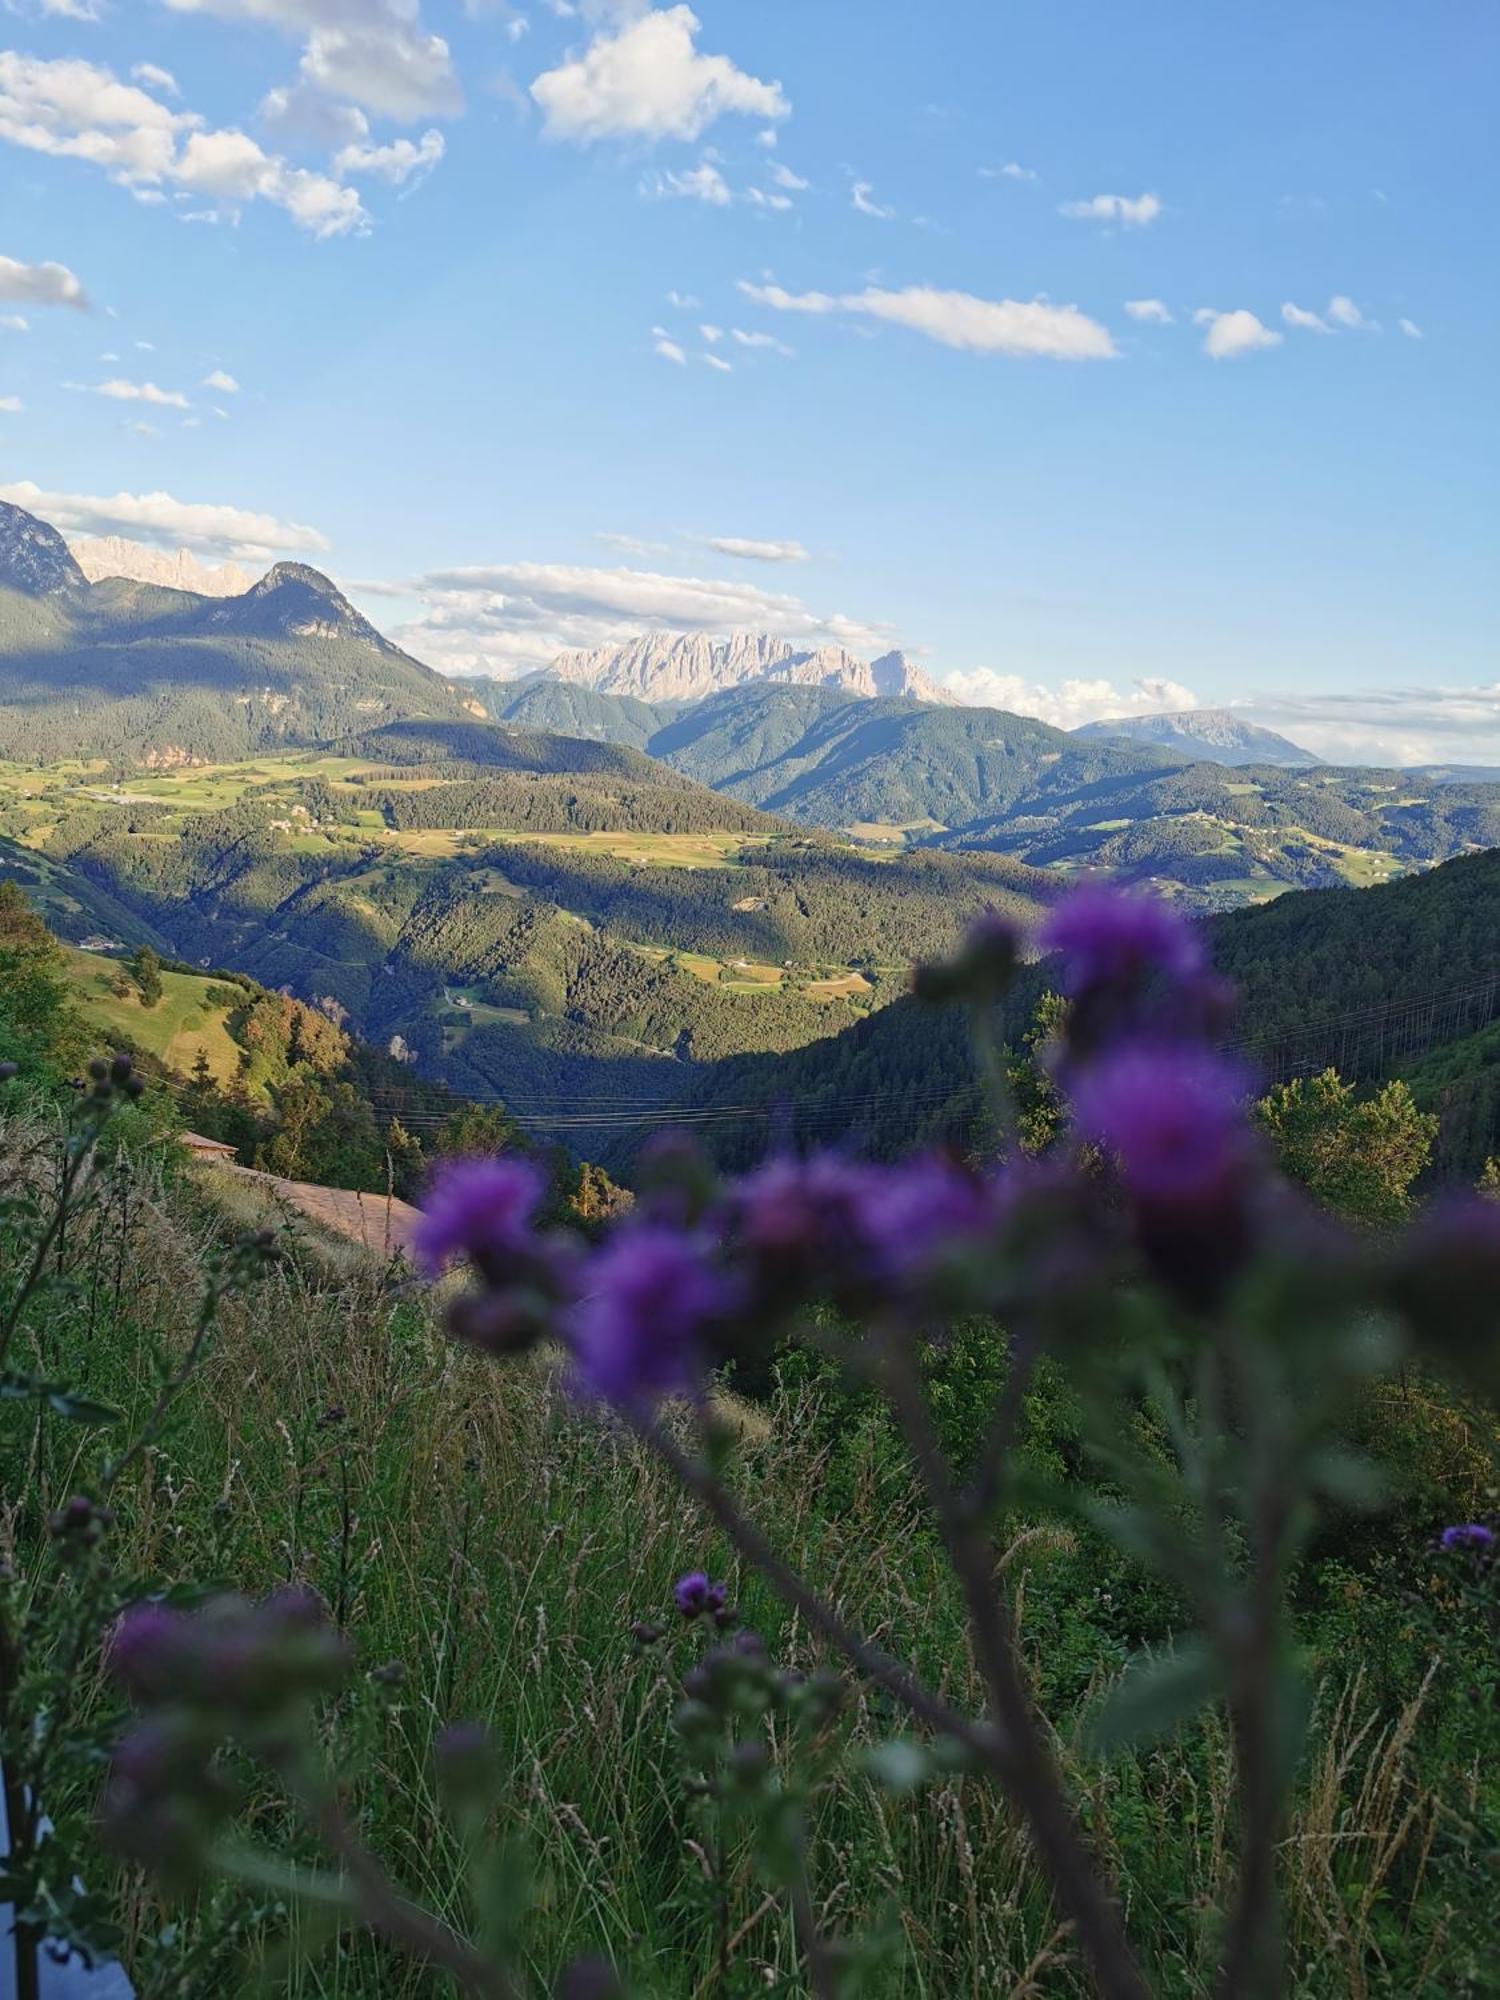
[
  {"x": 1359, "y": 1154},
  {"x": 38, "y": 1027},
  {"x": 145, "y": 969}
]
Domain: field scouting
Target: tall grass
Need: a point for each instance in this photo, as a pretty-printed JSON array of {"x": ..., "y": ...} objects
[{"x": 479, "y": 1529}]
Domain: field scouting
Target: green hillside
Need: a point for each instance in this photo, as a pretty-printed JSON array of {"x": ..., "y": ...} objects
[
  {"x": 524, "y": 928},
  {"x": 190, "y": 1019},
  {"x": 1215, "y": 835},
  {"x": 142, "y": 675},
  {"x": 1396, "y": 981}
]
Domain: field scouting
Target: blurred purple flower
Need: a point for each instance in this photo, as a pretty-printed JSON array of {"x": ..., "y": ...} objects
[
  {"x": 834, "y": 1225},
  {"x": 796, "y": 1209},
  {"x": 1133, "y": 968},
  {"x": 1445, "y": 1279},
  {"x": 151, "y": 1649},
  {"x": 1173, "y": 1118},
  {"x": 1115, "y": 940},
  {"x": 482, "y": 1210},
  {"x": 694, "y": 1595},
  {"x": 1473, "y": 1535},
  {"x": 651, "y": 1302},
  {"x": 914, "y": 1212}
]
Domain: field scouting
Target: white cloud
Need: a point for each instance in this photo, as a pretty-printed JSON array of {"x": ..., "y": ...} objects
[
  {"x": 152, "y": 77},
  {"x": 1012, "y": 170},
  {"x": 1390, "y": 726},
  {"x": 862, "y": 195},
  {"x": 684, "y": 301},
  {"x": 1151, "y": 311},
  {"x": 396, "y": 163},
  {"x": 142, "y": 392},
  {"x": 1344, "y": 312},
  {"x": 669, "y": 349},
  {"x": 762, "y": 340},
  {"x": 712, "y": 334},
  {"x": 512, "y": 618},
  {"x": 40, "y": 284},
  {"x": 300, "y": 116},
  {"x": 15, "y": 323},
  {"x": 1410, "y": 328},
  {"x": 1068, "y": 704},
  {"x": 1311, "y": 322},
  {"x": 1233, "y": 333},
  {"x": 390, "y": 69},
  {"x": 958, "y": 319},
  {"x": 785, "y": 178},
  {"x": 632, "y": 545},
  {"x": 717, "y": 361},
  {"x": 11, "y": 405},
  {"x": 701, "y": 183},
  {"x": 748, "y": 550},
  {"x": 226, "y": 384},
  {"x": 648, "y": 81},
  {"x": 1131, "y": 211},
  {"x": 77, "y": 110},
  {"x": 758, "y": 198},
  {"x": 373, "y": 52},
  {"x": 169, "y": 523}
]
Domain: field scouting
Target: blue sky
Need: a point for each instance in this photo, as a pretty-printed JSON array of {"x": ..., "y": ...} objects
[{"x": 1101, "y": 355}]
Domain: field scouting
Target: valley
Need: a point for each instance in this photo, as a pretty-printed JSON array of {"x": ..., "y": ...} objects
[
  {"x": 676, "y": 877},
  {"x": 532, "y": 936}
]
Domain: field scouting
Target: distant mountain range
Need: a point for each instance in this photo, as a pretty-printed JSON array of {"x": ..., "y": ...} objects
[
  {"x": 130, "y": 670},
  {"x": 1215, "y": 733},
  {"x": 687, "y": 666},
  {"x": 112, "y": 555}
]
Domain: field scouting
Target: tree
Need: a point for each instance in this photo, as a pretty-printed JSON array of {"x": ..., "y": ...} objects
[
  {"x": 477, "y": 1131},
  {"x": 1360, "y": 1155},
  {"x": 597, "y": 1200},
  {"x": 407, "y": 1163},
  {"x": 146, "y": 970},
  {"x": 36, "y": 1020}
]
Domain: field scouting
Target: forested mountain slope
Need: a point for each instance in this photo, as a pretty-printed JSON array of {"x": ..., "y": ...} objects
[
  {"x": 558, "y": 920},
  {"x": 1402, "y": 979},
  {"x": 1218, "y": 734},
  {"x": 145, "y": 675},
  {"x": 1159, "y": 811}
]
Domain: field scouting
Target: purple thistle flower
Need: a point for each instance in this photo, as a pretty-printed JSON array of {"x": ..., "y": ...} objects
[
  {"x": 694, "y": 1595},
  {"x": 795, "y": 1209},
  {"x": 152, "y": 1649},
  {"x": 912, "y": 1213},
  {"x": 1472, "y": 1535},
  {"x": 652, "y": 1300},
  {"x": 1446, "y": 1280},
  {"x": 482, "y": 1210},
  {"x": 1174, "y": 1119},
  {"x": 1132, "y": 968},
  {"x": 1114, "y": 940}
]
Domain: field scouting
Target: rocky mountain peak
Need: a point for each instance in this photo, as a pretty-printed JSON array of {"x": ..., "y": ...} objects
[
  {"x": 894, "y": 674},
  {"x": 114, "y": 555},
  {"x": 34, "y": 558},
  {"x": 1216, "y": 734},
  {"x": 293, "y": 600},
  {"x": 687, "y": 666}
]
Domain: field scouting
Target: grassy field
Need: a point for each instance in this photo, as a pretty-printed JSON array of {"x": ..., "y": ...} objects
[
  {"x": 495, "y": 1541},
  {"x": 182, "y": 1024}
]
